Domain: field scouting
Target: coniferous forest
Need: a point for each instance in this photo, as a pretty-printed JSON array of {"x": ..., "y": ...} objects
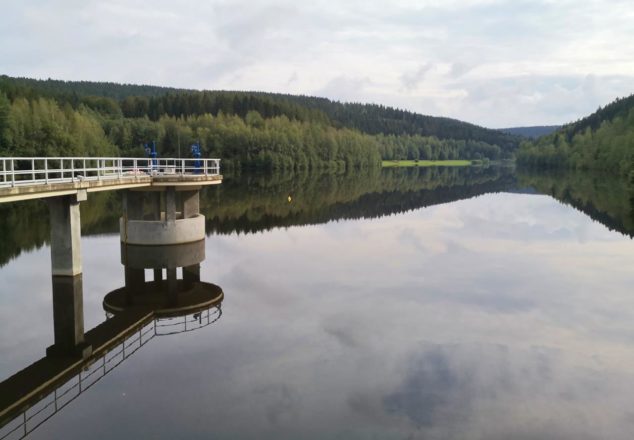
[
  {"x": 602, "y": 141},
  {"x": 248, "y": 130}
]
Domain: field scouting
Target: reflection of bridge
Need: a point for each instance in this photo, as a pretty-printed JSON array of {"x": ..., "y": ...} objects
[
  {"x": 82, "y": 375},
  {"x": 136, "y": 314},
  {"x": 160, "y": 208}
]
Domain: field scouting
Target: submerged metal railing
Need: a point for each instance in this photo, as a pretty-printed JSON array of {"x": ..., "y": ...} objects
[
  {"x": 97, "y": 368},
  {"x": 15, "y": 171}
]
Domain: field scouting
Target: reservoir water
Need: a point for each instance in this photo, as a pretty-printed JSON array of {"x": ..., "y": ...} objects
[{"x": 464, "y": 303}]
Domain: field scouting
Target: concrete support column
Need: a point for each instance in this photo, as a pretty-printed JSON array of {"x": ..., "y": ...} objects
[
  {"x": 170, "y": 205},
  {"x": 133, "y": 205},
  {"x": 191, "y": 203},
  {"x": 155, "y": 205},
  {"x": 65, "y": 234}
]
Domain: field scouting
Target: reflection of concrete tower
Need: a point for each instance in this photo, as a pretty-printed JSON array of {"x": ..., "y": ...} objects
[
  {"x": 138, "y": 312},
  {"x": 166, "y": 294}
]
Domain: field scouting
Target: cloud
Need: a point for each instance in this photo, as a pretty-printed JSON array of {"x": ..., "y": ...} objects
[
  {"x": 411, "y": 80},
  {"x": 492, "y": 62}
]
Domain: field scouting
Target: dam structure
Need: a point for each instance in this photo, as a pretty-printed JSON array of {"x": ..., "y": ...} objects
[
  {"x": 161, "y": 201},
  {"x": 161, "y": 231}
]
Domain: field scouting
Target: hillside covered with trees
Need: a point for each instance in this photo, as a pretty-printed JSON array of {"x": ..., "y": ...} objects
[
  {"x": 245, "y": 129},
  {"x": 531, "y": 132},
  {"x": 602, "y": 141}
]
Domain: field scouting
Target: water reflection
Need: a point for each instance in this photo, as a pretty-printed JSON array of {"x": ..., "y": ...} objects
[
  {"x": 137, "y": 313},
  {"x": 492, "y": 314},
  {"x": 247, "y": 204}
]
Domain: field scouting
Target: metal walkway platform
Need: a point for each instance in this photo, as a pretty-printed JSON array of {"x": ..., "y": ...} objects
[{"x": 23, "y": 178}]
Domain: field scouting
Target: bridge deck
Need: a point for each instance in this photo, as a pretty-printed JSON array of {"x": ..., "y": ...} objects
[{"x": 34, "y": 178}]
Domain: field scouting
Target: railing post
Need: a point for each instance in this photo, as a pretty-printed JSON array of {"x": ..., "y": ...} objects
[
  {"x": 46, "y": 170},
  {"x": 72, "y": 169},
  {"x": 183, "y": 166},
  {"x": 33, "y": 170},
  {"x": 12, "y": 173},
  {"x": 61, "y": 167},
  {"x": 120, "y": 166}
]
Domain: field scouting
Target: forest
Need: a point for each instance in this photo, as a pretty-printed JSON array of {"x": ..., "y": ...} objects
[
  {"x": 247, "y": 130},
  {"x": 602, "y": 141}
]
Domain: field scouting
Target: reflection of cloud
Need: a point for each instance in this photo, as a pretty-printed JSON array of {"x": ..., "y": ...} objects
[
  {"x": 432, "y": 390},
  {"x": 281, "y": 402},
  {"x": 456, "y": 389}
]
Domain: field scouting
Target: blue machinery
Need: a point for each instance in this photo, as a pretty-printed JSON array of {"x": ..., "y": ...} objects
[
  {"x": 196, "y": 153},
  {"x": 152, "y": 154},
  {"x": 150, "y": 151}
]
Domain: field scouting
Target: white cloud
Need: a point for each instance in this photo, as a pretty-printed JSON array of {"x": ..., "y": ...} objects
[{"x": 496, "y": 63}]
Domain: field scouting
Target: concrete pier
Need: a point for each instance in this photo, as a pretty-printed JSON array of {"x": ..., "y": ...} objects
[
  {"x": 166, "y": 215},
  {"x": 65, "y": 234}
]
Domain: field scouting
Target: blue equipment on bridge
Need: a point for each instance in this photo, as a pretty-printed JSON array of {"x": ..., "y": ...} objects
[
  {"x": 197, "y": 155},
  {"x": 151, "y": 153}
]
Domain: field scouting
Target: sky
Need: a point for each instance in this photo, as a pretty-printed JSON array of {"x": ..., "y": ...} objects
[{"x": 496, "y": 63}]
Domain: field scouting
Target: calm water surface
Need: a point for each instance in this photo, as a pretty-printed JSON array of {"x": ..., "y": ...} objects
[{"x": 383, "y": 307}]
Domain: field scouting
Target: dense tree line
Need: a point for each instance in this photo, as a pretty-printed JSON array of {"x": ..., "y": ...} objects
[
  {"x": 116, "y": 101},
  {"x": 603, "y": 140},
  {"x": 379, "y": 119},
  {"x": 72, "y": 91},
  {"x": 42, "y": 127},
  {"x": 99, "y": 126},
  {"x": 407, "y": 147},
  {"x": 531, "y": 132}
]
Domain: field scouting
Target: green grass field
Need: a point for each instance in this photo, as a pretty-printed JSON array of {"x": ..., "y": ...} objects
[{"x": 426, "y": 163}]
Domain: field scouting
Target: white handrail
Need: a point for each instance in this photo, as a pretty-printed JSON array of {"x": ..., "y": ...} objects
[{"x": 46, "y": 170}]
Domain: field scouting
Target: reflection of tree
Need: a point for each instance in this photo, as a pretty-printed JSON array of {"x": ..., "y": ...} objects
[
  {"x": 24, "y": 225},
  {"x": 255, "y": 203},
  {"x": 251, "y": 203},
  {"x": 606, "y": 198}
]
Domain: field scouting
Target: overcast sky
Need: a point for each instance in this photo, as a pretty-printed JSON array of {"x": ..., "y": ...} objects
[{"x": 494, "y": 63}]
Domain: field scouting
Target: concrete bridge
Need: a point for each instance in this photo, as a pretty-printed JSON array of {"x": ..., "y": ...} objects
[
  {"x": 161, "y": 209},
  {"x": 161, "y": 202}
]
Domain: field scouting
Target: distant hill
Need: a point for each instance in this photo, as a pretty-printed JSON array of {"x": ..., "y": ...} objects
[
  {"x": 248, "y": 130},
  {"x": 531, "y": 132},
  {"x": 155, "y": 101},
  {"x": 603, "y": 140},
  {"x": 58, "y": 88}
]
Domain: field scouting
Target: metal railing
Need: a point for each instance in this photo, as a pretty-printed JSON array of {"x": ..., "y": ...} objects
[
  {"x": 17, "y": 171},
  {"x": 97, "y": 368}
]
